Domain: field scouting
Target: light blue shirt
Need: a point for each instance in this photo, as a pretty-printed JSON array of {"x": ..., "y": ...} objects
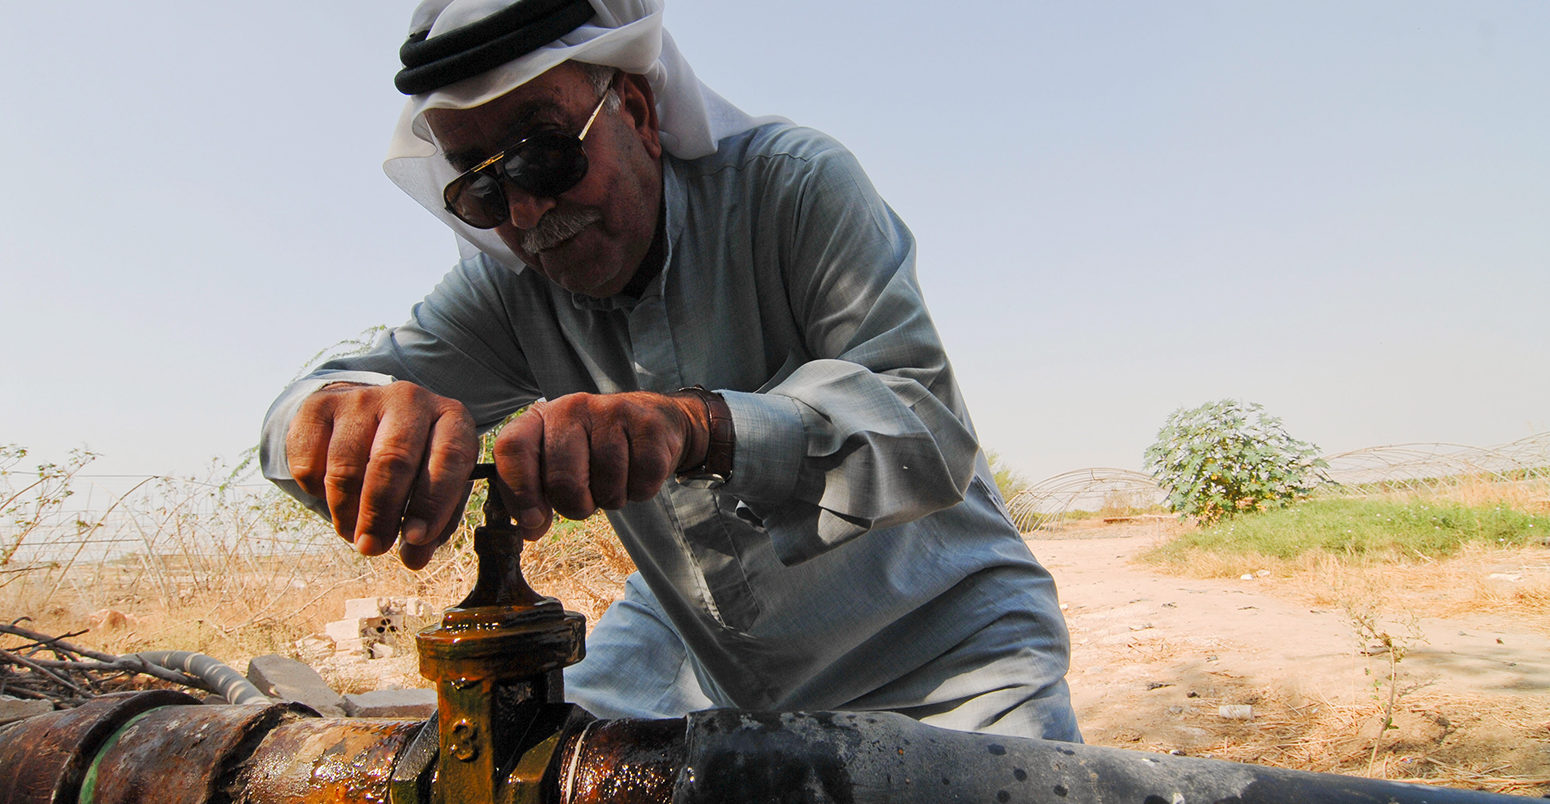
[{"x": 860, "y": 538}]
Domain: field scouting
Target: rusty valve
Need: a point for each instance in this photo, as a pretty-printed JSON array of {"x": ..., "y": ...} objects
[{"x": 496, "y": 659}]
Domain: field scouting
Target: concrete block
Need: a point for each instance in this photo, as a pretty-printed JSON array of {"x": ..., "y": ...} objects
[
  {"x": 341, "y": 630},
  {"x": 312, "y": 648},
  {"x": 385, "y": 627},
  {"x": 389, "y": 625},
  {"x": 411, "y": 606},
  {"x": 416, "y": 703},
  {"x": 16, "y": 708},
  {"x": 356, "y": 648},
  {"x": 371, "y": 629},
  {"x": 379, "y": 650},
  {"x": 289, "y": 680},
  {"x": 357, "y": 608}
]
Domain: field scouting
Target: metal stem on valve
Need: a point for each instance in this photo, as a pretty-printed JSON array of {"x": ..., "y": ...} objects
[{"x": 496, "y": 659}]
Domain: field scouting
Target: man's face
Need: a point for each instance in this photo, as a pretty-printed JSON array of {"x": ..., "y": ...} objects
[{"x": 591, "y": 238}]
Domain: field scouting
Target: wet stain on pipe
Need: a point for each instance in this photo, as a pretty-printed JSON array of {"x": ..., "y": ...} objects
[
  {"x": 323, "y": 761},
  {"x": 623, "y": 762}
]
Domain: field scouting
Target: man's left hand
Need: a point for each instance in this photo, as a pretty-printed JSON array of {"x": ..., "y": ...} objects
[{"x": 582, "y": 452}]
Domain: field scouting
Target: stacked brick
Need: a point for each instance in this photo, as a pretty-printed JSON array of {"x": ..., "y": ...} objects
[{"x": 371, "y": 625}]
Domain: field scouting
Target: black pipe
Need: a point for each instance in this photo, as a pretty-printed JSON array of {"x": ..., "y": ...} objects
[
  {"x": 121, "y": 747},
  {"x": 854, "y": 758}
]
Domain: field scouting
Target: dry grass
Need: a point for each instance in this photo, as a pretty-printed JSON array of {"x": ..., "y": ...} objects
[
  {"x": 1499, "y": 743},
  {"x": 1511, "y": 582},
  {"x": 1508, "y": 584},
  {"x": 1454, "y": 741},
  {"x": 237, "y": 572},
  {"x": 583, "y": 565},
  {"x": 1530, "y": 496},
  {"x": 267, "y": 604}
]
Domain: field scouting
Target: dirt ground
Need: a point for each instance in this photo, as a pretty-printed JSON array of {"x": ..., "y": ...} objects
[{"x": 1157, "y": 657}]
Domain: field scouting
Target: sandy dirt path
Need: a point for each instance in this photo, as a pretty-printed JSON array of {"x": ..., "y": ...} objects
[{"x": 1156, "y": 656}]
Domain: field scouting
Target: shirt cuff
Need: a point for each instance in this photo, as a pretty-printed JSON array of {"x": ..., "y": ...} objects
[{"x": 769, "y": 447}]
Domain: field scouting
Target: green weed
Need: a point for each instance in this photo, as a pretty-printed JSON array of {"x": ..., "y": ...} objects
[{"x": 1359, "y": 529}]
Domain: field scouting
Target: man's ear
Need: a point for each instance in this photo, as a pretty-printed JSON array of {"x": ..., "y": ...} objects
[{"x": 640, "y": 104}]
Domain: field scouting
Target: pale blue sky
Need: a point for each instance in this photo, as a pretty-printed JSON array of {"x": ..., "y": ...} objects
[{"x": 1338, "y": 209}]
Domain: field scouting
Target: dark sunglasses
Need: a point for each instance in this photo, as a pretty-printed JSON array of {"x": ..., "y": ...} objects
[{"x": 544, "y": 164}]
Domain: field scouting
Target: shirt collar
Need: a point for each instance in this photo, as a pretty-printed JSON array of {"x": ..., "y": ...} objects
[{"x": 673, "y": 194}]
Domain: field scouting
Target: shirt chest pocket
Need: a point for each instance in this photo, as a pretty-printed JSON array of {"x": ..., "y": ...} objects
[{"x": 724, "y": 550}]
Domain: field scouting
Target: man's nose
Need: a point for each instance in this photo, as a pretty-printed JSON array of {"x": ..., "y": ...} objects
[{"x": 524, "y": 208}]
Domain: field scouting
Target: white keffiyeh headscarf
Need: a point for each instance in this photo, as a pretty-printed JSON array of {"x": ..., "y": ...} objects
[{"x": 626, "y": 34}]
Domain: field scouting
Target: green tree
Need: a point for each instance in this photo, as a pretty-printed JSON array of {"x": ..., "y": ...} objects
[
  {"x": 1226, "y": 457},
  {"x": 1008, "y": 480}
]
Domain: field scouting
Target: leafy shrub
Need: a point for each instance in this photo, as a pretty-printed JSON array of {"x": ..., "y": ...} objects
[
  {"x": 1009, "y": 481},
  {"x": 1225, "y": 457}
]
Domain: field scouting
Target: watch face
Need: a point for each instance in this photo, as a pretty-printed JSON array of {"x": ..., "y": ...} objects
[{"x": 706, "y": 480}]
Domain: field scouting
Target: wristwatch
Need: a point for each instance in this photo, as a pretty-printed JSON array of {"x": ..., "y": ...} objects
[{"x": 716, "y": 469}]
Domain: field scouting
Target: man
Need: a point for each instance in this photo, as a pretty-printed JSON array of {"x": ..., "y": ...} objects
[{"x": 818, "y": 529}]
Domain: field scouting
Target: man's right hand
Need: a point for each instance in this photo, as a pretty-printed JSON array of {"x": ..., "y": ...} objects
[{"x": 389, "y": 460}]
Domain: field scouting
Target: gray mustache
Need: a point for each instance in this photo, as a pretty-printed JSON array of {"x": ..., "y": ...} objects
[{"x": 556, "y": 227}]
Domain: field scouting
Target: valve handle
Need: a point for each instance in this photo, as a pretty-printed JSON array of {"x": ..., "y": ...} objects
[{"x": 498, "y": 547}]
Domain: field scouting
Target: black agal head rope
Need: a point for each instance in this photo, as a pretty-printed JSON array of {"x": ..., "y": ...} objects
[{"x": 432, "y": 62}]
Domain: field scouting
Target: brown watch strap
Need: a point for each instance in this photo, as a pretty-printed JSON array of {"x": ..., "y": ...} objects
[{"x": 718, "y": 451}]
